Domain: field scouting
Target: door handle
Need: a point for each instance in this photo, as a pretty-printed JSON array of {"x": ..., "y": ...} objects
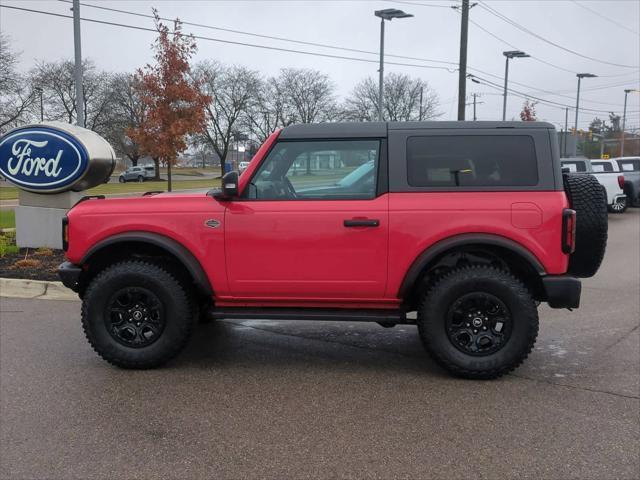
[{"x": 364, "y": 222}]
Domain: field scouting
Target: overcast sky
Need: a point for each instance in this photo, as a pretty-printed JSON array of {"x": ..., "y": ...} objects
[{"x": 432, "y": 34}]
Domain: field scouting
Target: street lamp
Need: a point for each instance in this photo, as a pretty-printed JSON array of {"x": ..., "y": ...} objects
[
  {"x": 624, "y": 118},
  {"x": 386, "y": 14},
  {"x": 580, "y": 77},
  {"x": 509, "y": 55}
]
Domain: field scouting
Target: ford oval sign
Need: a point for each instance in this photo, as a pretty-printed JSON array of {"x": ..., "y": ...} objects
[{"x": 42, "y": 159}]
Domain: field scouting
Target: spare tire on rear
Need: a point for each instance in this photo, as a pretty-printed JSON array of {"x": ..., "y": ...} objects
[{"x": 589, "y": 200}]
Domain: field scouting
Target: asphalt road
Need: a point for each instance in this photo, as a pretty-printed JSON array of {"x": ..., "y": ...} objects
[{"x": 329, "y": 400}]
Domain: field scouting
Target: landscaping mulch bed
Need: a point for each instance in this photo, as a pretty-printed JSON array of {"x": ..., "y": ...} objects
[{"x": 32, "y": 264}]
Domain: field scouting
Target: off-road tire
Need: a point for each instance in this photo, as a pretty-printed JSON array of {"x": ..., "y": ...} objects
[
  {"x": 175, "y": 301},
  {"x": 588, "y": 198},
  {"x": 435, "y": 304}
]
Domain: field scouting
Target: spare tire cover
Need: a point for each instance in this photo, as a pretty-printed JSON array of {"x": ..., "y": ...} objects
[{"x": 589, "y": 200}]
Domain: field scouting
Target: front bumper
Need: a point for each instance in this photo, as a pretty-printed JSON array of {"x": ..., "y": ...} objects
[
  {"x": 70, "y": 273},
  {"x": 562, "y": 291}
]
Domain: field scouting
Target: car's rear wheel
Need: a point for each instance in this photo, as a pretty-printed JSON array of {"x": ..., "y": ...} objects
[
  {"x": 478, "y": 322},
  {"x": 619, "y": 206},
  {"x": 140, "y": 178},
  {"x": 136, "y": 315}
]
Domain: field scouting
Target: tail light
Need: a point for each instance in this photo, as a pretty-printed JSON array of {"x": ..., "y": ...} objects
[
  {"x": 621, "y": 181},
  {"x": 65, "y": 233},
  {"x": 568, "y": 231}
]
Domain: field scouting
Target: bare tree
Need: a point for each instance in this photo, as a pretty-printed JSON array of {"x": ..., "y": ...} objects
[
  {"x": 232, "y": 91},
  {"x": 310, "y": 94},
  {"x": 56, "y": 79},
  {"x": 126, "y": 110},
  {"x": 402, "y": 100},
  {"x": 270, "y": 110},
  {"x": 16, "y": 93}
]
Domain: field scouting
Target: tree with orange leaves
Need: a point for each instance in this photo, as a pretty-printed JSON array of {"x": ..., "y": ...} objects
[{"x": 174, "y": 104}]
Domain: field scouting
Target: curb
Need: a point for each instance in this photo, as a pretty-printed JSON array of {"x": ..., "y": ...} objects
[{"x": 41, "y": 290}]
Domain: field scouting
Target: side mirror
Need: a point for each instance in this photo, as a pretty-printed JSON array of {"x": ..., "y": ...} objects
[{"x": 229, "y": 186}]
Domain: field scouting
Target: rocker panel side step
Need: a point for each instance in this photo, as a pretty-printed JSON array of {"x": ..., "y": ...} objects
[{"x": 330, "y": 314}]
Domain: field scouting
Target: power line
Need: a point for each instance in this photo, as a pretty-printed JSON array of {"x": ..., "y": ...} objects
[
  {"x": 540, "y": 37},
  {"x": 522, "y": 94},
  {"x": 600, "y": 15},
  {"x": 335, "y": 47},
  {"x": 231, "y": 42},
  {"x": 259, "y": 35}
]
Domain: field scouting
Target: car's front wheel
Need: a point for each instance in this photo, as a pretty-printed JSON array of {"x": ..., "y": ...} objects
[
  {"x": 478, "y": 322},
  {"x": 136, "y": 315},
  {"x": 122, "y": 179}
]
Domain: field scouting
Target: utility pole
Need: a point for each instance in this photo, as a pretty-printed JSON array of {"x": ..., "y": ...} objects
[
  {"x": 566, "y": 130},
  {"x": 422, "y": 92},
  {"x": 78, "y": 64},
  {"x": 462, "y": 70}
]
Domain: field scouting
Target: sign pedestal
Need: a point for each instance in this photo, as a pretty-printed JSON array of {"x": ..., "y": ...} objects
[{"x": 39, "y": 218}]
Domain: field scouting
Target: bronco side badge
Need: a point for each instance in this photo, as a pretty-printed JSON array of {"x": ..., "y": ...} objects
[{"x": 212, "y": 223}]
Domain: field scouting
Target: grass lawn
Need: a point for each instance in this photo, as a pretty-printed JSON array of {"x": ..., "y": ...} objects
[
  {"x": 7, "y": 219},
  {"x": 9, "y": 193}
]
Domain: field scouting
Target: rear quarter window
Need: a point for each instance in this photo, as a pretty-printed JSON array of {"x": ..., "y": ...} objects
[{"x": 471, "y": 161}]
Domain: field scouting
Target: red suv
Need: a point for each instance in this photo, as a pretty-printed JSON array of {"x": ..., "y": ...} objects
[{"x": 470, "y": 225}]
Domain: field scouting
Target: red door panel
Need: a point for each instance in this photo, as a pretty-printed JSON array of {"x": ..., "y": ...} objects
[{"x": 302, "y": 248}]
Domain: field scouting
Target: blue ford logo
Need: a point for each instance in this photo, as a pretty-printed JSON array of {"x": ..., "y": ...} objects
[{"x": 42, "y": 159}]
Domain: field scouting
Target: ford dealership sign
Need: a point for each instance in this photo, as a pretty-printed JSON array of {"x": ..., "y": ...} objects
[{"x": 55, "y": 157}]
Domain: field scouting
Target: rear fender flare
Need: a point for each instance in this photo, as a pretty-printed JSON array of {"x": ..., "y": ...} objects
[{"x": 451, "y": 243}]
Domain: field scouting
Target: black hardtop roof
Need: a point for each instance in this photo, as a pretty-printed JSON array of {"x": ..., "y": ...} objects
[{"x": 380, "y": 129}]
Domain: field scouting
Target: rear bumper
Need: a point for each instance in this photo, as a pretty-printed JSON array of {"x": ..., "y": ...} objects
[
  {"x": 70, "y": 275},
  {"x": 618, "y": 197},
  {"x": 562, "y": 291}
]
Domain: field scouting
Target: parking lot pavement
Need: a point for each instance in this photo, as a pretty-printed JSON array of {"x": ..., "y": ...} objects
[{"x": 288, "y": 400}]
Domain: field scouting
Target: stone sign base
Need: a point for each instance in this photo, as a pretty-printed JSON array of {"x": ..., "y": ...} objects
[{"x": 39, "y": 218}]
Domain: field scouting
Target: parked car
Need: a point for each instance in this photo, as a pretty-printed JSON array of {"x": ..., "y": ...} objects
[
  {"x": 242, "y": 166},
  {"x": 461, "y": 228},
  {"x": 137, "y": 174},
  {"x": 611, "y": 181},
  {"x": 630, "y": 167}
]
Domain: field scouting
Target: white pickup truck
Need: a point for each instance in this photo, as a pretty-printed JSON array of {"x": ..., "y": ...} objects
[{"x": 613, "y": 182}]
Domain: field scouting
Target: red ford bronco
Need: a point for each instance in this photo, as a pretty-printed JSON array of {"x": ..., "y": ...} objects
[{"x": 460, "y": 228}]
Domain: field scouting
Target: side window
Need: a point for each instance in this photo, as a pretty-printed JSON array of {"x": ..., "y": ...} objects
[
  {"x": 630, "y": 165},
  {"x": 602, "y": 167},
  {"x": 471, "y": 161},
  {"x": 317, "y": 170},
  {"x": 575, "y": 166}
]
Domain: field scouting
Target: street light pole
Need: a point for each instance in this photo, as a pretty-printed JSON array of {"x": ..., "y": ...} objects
[
  {"x": 386, "y": 14},
  {"x": 580, "y": 77},
  {"x": 509, "y": 55},
  {"x": 624, "y": 118},
  {"x": 381, "y": 72}
]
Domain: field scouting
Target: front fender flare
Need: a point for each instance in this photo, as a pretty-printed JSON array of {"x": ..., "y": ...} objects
[{"x": 173, "y": 247}]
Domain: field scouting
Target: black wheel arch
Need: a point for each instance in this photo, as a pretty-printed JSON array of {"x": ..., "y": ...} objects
[
  {"x": 519, "y": 259},
  {"x": 148, "y": 245}
]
